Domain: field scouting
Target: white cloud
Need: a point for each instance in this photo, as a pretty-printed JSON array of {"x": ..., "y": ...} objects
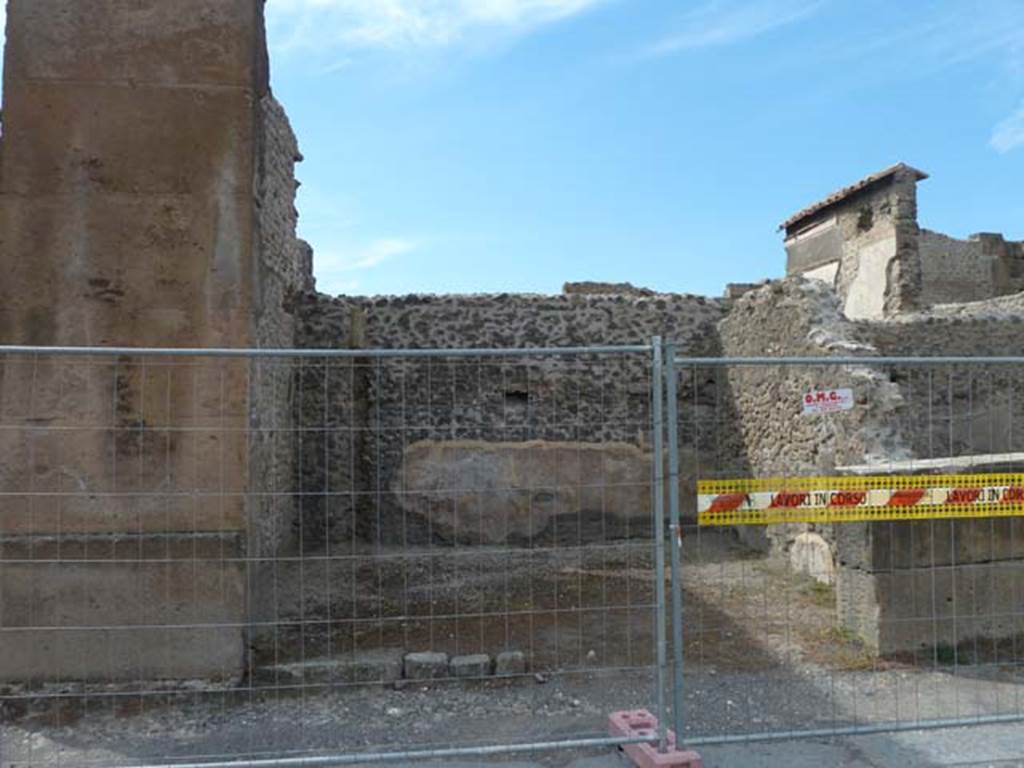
[
  {"x": 379, "y": 251},
  {"x": 372, "y": 255},
  {"x": 723, "y": 22},
  {"x": 962, "y": 35},
  {"x": 982, "y": 33},
  {"x": 337, "y": 270},
  {"x": 1009, "y": 133},
  {"x": 396, "y": 24}
]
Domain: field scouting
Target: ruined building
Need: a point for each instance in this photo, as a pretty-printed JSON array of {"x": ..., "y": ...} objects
[
  {"x": 147, "y": 199},
  {"x": 864, "y": 240}
]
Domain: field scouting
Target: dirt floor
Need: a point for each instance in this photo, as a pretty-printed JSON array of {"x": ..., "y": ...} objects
[{"x": 762, "y": 653}]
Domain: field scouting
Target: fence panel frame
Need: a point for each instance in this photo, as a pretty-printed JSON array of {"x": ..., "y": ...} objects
[
  {"x": 674, "y": 365},
  {"x": 654, "y": 350}
]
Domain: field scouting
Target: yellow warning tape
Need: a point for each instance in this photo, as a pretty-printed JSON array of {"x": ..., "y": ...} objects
[{"x": 773, "y": 500}]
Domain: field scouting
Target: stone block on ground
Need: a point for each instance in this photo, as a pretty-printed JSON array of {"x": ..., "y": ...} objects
[
  {"x": 812, "y": 555},
  {"x": 473, "y": 665},
  {"x": 426, "y": 666},
  {"x": 510, "y": 663}
]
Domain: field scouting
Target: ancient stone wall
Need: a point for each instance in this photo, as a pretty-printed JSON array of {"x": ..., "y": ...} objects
[
  {"x": 865, "y": 241},
  {"x": 878, "y": 274},
  {"x": 903, "y": 271},
  {"x": 283, "y": 272},
  {"x": 961, "y": 410},
  {"x": 401, "y": 434},
  {"x": 800, "y": 317},
  {"x": 901, "y": 414},
  {"x": 388, "y": 419},
  {"x": 144, "y": 201},
  {"x": 865, "y": 245},
  {"x": 955, "y": 270},
  {"x": 982, "y": 267},
  {"x": 616, "y": 289}
]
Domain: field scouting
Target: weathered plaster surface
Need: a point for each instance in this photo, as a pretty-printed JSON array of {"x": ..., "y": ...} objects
[
  {"x": 384, "y": 408},
  {"x": 145, "y": 200}
]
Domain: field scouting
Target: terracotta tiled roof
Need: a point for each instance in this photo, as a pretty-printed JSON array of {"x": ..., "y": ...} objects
[{"x": 841, "y": 194}]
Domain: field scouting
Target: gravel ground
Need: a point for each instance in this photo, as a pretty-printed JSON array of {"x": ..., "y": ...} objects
[
  {"x": 762, "y": 655},
  {"x": 365, "y": 719}
]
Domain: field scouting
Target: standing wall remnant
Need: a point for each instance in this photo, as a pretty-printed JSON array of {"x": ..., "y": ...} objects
[
  {"x": 983, "y": 266},
  {"x": 800, "y": 317},
  {"x": 145, "y": 200},
  {"x": 863, "y": 240},
  {"x": 966, "y": 419},
  {"x": 903, "y": 415},
  {"x": 404, "y": 415}
]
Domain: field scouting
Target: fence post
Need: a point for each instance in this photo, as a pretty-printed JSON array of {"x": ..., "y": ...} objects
[
  {"x": 658, "y": 509},
  {"x": 676, "y": 533}
]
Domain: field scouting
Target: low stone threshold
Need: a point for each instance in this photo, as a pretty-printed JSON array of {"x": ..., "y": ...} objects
[{"x": 987, "y": 462}]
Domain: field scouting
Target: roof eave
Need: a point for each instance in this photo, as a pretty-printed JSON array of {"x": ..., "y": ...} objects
[{"x": 845, "y": 193}]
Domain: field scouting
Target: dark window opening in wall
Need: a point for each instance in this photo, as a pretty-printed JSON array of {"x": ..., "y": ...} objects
[
  {"x": 517, "y": 400},
  {"x": 517, "y": 406},
  {"x": 866, "y": 219}
]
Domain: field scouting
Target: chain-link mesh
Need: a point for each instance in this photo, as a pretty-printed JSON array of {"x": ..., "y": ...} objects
[{"x": 260, "y": 556}]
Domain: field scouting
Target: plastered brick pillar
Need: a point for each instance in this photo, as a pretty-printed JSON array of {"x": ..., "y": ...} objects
[
  {"x": 128, "y": 172},
  {"x": 903, "y": 274}
]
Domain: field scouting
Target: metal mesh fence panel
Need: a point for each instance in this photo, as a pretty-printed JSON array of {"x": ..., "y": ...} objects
[
  {"x": 886, "y": 592},
  {"x": 262, "y": 556}
]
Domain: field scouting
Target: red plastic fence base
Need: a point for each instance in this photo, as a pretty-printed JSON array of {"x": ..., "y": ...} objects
[{"x": 640, "y": 722}]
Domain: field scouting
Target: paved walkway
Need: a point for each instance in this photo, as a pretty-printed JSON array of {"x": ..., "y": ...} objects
[{"x": 996, "y": 746}]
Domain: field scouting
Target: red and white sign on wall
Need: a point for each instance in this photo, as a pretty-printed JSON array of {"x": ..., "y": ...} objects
[{"x": 828, "y": 401}]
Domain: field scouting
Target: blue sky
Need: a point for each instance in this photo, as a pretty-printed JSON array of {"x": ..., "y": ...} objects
[{"x": 511, "y": 145}]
